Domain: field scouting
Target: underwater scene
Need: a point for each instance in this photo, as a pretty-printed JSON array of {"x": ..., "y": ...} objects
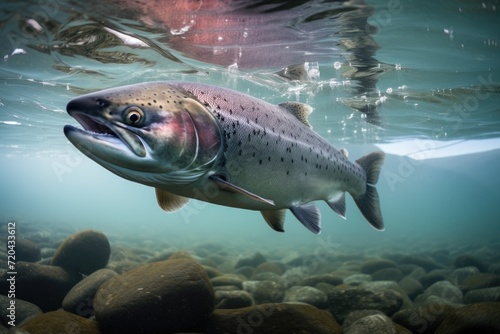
[{"x": 239, "y": 166}]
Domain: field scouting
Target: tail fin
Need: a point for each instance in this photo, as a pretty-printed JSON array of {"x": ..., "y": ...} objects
[{"x": 368, "y": 203}]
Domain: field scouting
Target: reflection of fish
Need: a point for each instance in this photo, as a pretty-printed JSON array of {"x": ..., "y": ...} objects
[
  {"x": 256, "y": 34},
  {"x": 192, "y": 140}
]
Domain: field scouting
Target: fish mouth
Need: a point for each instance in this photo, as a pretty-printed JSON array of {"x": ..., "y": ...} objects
[{"x": 99, "y": 131}]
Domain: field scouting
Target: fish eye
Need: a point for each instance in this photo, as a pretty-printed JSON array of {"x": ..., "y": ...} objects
[{"x": 134, "y": 116}]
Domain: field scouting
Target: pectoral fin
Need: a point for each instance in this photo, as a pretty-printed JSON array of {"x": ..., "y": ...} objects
[
  {"x": 275, "y": 219},
  {"x": 223, "y": 184},
  {"x": 170, "y": 202}
]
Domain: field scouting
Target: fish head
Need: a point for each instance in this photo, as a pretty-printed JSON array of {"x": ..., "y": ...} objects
[{"x": 151, "y": 133}]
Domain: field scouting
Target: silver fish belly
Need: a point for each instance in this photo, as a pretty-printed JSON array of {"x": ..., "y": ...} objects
[{"x": 243, "y": 152}]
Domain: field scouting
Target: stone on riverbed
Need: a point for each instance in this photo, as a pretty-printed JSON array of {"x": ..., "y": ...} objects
[{"x": 167, "y": 296}]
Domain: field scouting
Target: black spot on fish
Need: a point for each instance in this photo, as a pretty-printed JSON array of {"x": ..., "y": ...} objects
[
  {"x": 253, "y": 155},
  {"x": 269, "y": 159},
  {"x": 260, "y": 162},
  {"x": 282, "y": 159},
  {"x": 287, "y": 172}
]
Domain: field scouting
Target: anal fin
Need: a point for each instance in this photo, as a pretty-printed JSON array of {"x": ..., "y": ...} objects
[
  {"x": 275, "y": 219},
  {"x": 337, "y": 204},
  {"x": 170, "y": 202},
  {"x": 225, "y": 185},
  {"x": 309, "y": 216}
]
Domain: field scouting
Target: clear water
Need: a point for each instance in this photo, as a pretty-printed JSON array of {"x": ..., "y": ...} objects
[{"x": 428, "y": 72}]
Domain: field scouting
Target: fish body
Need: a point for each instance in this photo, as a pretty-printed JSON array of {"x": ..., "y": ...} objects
[{"x": 191, "y": 140}]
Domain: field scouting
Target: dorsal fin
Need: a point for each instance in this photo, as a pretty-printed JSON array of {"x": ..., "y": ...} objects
[
  {"x": 300, "y": 110},
  {"x": 170, "y": 202}
]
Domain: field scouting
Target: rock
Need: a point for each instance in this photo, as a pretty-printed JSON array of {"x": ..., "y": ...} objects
[
  {"x": 60, "y": 322},
  {"x": 444, "y": 290},
  {"x": 389, "y": 285},
  {"x": 387, "y": 274},
  {"x": 425, "y": 262},
  {"x": 428, "y": 279},
  {"x": 494, "y": 268},
  {"x": 27, "y": 250},
  {"x": 226, "y": 288},
  {"x": 122, "y": 266},
  {"x": 20, "y": 310},
  {"x": 356, "y": 315},
  {"x": 357, "y": 279},
  {"x": 232, "y": 299},
  {"x": 443, "y": 257},
  {"x": 408, "y": 268},
  {"x": 212, "y": 272},
  {"x": 373, "y": 265},
  {"x": 306, "y": 294},
  {"x": 483, "y": 295},
  {"x": 273, "y": 318},
  {"x": 227, "y": 279},
  {"x": 269, "y": 277},
  {"x": 246, "y": 271},
  {"x": 342, "y": 302},
  {"x": 80, "y": 299},
  {"x": 180, "y": 255},
  {"x": 424, "y": 319},
  {"x": 480, "y": 281},
  {"x": 372, "y": 324},
  {"x": 481, "y": 318},
  {"x": 42, "y": 285},
  {"x": 460, "y": 274},
  {"x": 83, "y": 252},
  {"x": 325, "y": 287},
  {"x": 48, "y": 252},
  {"x": 411, "y": 287},
  {"x": 323, "y": 278},
  {"x": 168, "y": 296},
  {"x": 466, "y": 260},
  {"x": 265, "y": 291},
  {"x": 268, "y": 267},
  {"x": 417, "y": 273},
  {"x": 252, "y": 261}
]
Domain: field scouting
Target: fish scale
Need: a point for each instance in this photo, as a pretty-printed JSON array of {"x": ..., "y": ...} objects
[
  {"x": 191, "y": 140},
  {"x": 265, "y": 131}
]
